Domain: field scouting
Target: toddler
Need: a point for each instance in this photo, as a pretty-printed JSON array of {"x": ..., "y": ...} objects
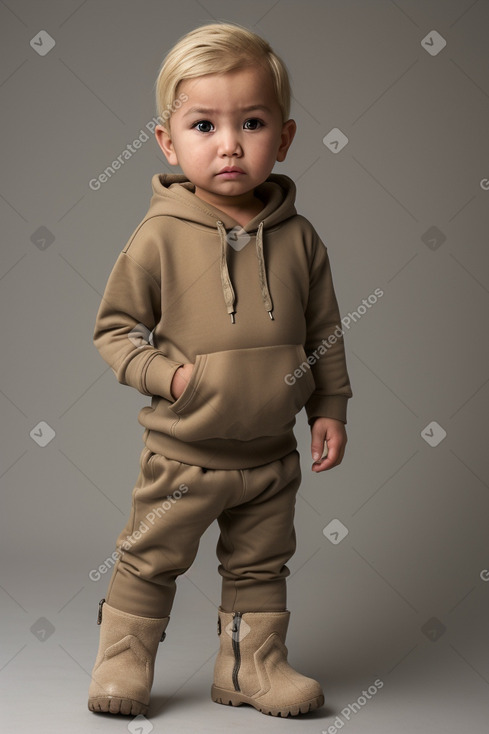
[{"x": 221, "y": 308}]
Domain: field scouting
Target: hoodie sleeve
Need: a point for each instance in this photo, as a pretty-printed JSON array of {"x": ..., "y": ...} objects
[
  {"x": 129, "y": 311},
  {"x": 324, "y": 342}
]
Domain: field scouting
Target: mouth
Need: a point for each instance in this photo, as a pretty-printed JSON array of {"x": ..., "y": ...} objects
[{"x": 230, "y": 172}]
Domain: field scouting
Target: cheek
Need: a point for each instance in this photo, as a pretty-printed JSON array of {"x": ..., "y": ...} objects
[
  {"x": 267, "y": 147},
  {"x": 268, "y": 156},
  {"x": 186, "y": 152},
  {"x": 193, "y": 146}
]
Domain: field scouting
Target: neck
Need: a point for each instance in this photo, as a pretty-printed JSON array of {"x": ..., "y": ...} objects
[{"x": 241, "y": 208}]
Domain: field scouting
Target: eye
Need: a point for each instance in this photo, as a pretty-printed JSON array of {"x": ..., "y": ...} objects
[
  {"x": 203, "y": 126},
  {"x": 252, "y": 124}
]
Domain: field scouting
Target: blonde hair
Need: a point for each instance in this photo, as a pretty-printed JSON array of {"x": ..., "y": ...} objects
[{"x": 217, "y": 48}]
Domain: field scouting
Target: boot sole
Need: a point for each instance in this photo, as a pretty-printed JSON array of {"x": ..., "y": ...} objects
[
  {"x": 114, "y": 705},
  {"x": 233, "y": 698}
]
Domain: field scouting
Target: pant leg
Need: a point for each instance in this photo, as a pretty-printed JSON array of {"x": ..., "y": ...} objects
[
  {"x": 258, "y": 538},
  {"x": 172, "y": 505}
]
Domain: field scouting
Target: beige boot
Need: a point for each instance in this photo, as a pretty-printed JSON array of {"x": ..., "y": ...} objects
[
  {"x": 123, "y": 672},
  {"x": 251, "y": 666}
]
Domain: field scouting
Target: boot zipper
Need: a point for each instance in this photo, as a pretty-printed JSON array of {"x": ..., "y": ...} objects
[
  {"x": 99, "y": 616},
  {"x": 236, "y": 650}
]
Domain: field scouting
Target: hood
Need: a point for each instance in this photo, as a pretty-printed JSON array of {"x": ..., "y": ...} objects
[{"x": 174, "y": 195}]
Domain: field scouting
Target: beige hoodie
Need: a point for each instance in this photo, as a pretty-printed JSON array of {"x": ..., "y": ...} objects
[{"x": 253, "y": 309}]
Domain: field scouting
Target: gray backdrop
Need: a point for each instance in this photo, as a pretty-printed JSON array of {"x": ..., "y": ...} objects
[{"x": 402, "y": 598}]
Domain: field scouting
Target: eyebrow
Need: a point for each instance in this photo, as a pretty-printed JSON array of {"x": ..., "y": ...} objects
[{"x": 212, "y": 111}]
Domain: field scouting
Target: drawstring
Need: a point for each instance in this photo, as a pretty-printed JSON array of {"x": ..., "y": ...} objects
[
  {"x": 227, "y": 287},
  {"x": 265, "y": 293}
]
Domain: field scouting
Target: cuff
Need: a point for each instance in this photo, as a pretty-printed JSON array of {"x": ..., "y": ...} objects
[
  {"x": 326, "y": 406},
  {"x": 159, "y": 375}
]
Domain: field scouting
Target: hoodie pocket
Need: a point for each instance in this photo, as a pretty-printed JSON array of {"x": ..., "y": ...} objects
[{"x": 243, "y": 394}]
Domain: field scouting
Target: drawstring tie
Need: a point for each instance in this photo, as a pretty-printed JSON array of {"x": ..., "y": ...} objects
[
  {"x": 227, "y": 286},
  {"x": 262, "y": 274}
]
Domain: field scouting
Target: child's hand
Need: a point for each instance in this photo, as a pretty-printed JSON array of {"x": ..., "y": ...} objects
[
  {"x": 180, "y": 380},
  {"x": 333, "y": 433}
]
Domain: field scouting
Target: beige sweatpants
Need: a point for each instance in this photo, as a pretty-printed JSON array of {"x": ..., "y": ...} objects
[{"x": 173, "y": 504}]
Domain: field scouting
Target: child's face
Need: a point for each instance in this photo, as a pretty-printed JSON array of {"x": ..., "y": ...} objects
[{"x": 229, "y": 120}]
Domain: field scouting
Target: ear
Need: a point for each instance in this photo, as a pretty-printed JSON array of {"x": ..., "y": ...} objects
[
  {"x": 286, "y": 138},
  {"x": 164, "y": 140}
]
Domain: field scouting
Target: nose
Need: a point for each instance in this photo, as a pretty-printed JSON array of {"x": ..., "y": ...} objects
[{"x": 229, "y": 144}]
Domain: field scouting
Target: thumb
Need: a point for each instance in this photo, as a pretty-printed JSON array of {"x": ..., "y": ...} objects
[{"x": 317, "y": 443}]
